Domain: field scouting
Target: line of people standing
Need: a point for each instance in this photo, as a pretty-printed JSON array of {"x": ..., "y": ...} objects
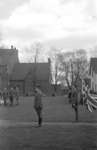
[{"x": 9, "y": 95}]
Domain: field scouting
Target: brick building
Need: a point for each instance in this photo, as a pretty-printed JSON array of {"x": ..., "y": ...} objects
[
  {"x": 24, "y": 75},
  {"x": 8, "y": 58}
]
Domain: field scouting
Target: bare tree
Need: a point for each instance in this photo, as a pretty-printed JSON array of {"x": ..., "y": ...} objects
[
  {"x": 73, "y": 65},
  {"x": 65, "y": 68},
  {"x": 54, "y": 53},
  {"x": 33, "y": 53},
  {"x": 73, "y": 68}
]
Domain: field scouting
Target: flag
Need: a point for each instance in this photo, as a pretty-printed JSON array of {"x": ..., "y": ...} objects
[
  {"x": 89, "y": 100},
  {"x": 84, "y": 92}
]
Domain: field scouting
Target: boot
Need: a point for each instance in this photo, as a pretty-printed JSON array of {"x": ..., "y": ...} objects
[{"x": 40, "y": 122}]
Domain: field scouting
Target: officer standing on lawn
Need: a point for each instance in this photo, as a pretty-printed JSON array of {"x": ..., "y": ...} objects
[{"x": 38, "y": 104}]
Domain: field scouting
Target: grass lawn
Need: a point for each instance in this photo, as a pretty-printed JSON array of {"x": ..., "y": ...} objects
[
  {"x": 55, "y": 109},
  {"x": 48, "y": 137},
  {"x": 68, "y": 137}
]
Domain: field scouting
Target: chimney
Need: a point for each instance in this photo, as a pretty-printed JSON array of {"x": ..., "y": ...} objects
[
  {"x": 11, "y": 46},
  {"x": 49, "y": 60}
]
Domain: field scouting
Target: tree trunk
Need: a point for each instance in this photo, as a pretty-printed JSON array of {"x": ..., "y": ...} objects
[
  {"x": 76, "y": 114},
  {"x": 55, "y": 88}
]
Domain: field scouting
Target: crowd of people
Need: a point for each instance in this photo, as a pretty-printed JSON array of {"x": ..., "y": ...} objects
[{"x": 9, "y": 96}]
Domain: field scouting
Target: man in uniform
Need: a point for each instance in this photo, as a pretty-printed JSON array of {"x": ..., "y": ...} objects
[{"x": 38, "y": 104}]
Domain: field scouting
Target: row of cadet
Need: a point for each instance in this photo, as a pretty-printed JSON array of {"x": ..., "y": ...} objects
[{"x": 7, "y": 96}]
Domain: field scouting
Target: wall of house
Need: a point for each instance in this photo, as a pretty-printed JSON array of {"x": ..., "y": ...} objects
[
  {"x": 93, "y": 81},
  {"x": 28, "y": 84},
  {"x": 26, "y": 87},
  {"x": 3, "y": 77}
]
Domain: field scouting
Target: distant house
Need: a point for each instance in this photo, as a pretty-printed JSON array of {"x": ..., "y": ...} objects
[
  {"x": 8, "y": 57},
  {"x": 93, "y": 74},
  {"x": 24, "y": 75}
]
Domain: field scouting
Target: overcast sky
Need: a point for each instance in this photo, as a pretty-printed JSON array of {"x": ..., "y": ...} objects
[{"x": 67, "y": 24}]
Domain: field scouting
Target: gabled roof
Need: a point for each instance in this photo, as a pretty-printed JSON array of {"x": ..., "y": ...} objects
[
  {"x": 93, "y": 64},
  {"x": 21, "y": 70}
]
